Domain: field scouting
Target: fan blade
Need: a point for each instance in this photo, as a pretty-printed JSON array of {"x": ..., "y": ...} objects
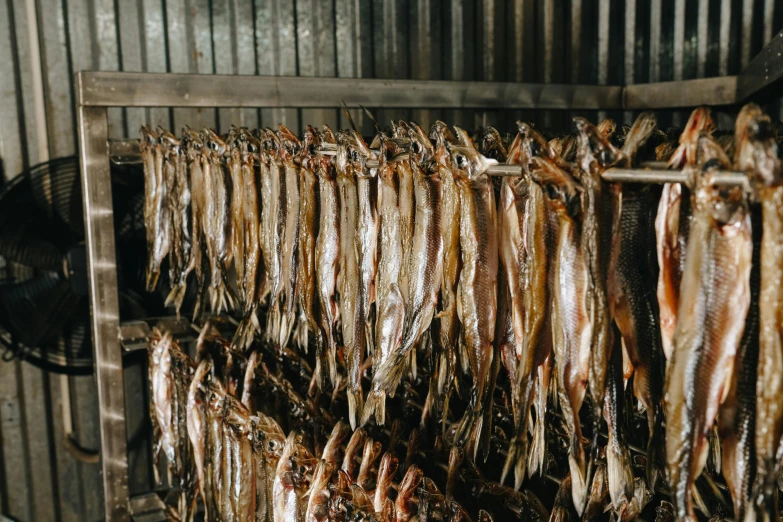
[
  {"x": 27, "y": 235},
  {"x": 35, "y": 311},
  {"x": 56, "y": 188}
]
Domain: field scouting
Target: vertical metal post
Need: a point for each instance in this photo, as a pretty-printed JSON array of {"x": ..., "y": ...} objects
[{"x": 104, "y": 304}]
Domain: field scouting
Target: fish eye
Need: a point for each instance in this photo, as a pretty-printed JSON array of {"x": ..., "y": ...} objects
[
  {"x": 461, "y": 161},
  {"x": 416, "y": 147}
]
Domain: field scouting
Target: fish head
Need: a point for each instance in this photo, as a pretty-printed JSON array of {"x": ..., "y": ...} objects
[
  {"x": 458, "y": 513},
  {"x": 191, "y": 142},
  {"x": 327, "y": 135},
  {"x": 570, "y": 145},
  {"x": 556, "y": 145},
  {"x": 422, "y": 153},
  {"x": 484, "y": 516},
  {"x": 215, "y": 145},
  {"x": 440, "y": 134},
  {"x": 249, "y": 143},
  {"x": 756, "y": 145},
  {"x": 638, "y": 134},
  {"x": 399, "y": 129},
  {"x": 727, "y": 205},
  {"x": 352, "y": 153},
  {"x": 491, "y": 144},
  {"x": 387, "y": 468},
  {"x": 289, "y": 144},
  {"x": 606, "y": 127},
  {"x": 392, "y": 150},
  {"x": 700, "y": 121},
  {"x": 514, "y": 156},
  {"x": 359, "y": 497},
  {"x": 708, "y": 149},
  {"x": 468, "y": 164},
  {"x": 533, "y": 144},
  {"x": 559, "y": 186},
  {"x": 595, "y": 152},
  {"x": 170, "y": 144},
  {"x": 149, "y": 137},
  {"x": 463, "y": 138},
  {"x": 271, "y": 143},
  {"x": 311, "y": 147}
]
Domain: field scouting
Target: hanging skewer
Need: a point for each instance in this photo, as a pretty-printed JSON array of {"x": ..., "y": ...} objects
[{"x": 652, "y": 172}]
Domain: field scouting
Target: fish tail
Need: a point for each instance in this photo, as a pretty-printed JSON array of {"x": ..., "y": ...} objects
[
  {"x": 322, "y": 366},
  {"x": 354, "y": 405},
  {"x": 713, "y": 457},
  {"x": 375, "y": 406},
  {"x": 444, "y": 414},
  {"x": 171, "y": 297},
  {"x": 516, "y": 458},
  {"x": 152, "y": 278},
  {"x": 576, "y": 462},
  {"x": 620, "y": 477},
  {"x": 655, "y": 450},
  {"x": 537, "y": 448},
  {"x": 332, "y": 365},
  {"x": 483, "y": 433},
  {"x": 243, "y": 337},
  {"x": 465, "y": 426},
  {"x": 391, "y": 371}
]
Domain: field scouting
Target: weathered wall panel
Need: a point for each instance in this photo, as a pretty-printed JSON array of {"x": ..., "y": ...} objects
[{"x": 42, "y": 42}]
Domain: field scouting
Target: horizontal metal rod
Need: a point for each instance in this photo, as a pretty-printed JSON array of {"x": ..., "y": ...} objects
[
  {"x": 127, "y": 152},
  {"x": 650, "y": 176}
]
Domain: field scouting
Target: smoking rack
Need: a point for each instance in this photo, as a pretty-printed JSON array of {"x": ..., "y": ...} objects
[{"x": 97, "y": 91}]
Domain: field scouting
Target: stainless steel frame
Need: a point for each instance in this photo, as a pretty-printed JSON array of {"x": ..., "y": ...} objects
[{"x": 96, "y": 91}]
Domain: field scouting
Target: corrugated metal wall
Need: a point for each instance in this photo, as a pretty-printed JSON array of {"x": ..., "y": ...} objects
[{"x": 42, "y": 42}]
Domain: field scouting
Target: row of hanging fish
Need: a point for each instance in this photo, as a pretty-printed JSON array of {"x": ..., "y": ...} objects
[
  {"x": 226, "y": 451},
  {"x": 407, "y": 253}
]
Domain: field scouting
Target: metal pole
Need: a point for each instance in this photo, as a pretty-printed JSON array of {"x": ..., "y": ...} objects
[{"x": 104, "y": 306}]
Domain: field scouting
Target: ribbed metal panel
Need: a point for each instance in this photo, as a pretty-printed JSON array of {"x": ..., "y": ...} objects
[{"x": 42, "y": 42}]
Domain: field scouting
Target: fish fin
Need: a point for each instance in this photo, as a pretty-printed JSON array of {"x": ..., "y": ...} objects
[
  {"x": 354, "y": 405},
  {"x": 620, "y": 476},
  {"x": 374, "y": 406},
  {"x": 537, "y": 448},
  {"x": 391, "y": 371}
]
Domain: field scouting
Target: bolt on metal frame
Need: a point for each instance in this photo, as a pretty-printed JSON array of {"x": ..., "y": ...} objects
[{"x": 97, "y": 91}]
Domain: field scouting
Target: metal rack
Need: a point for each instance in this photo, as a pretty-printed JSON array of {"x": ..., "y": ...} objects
[{"x": 97, "y": 91}]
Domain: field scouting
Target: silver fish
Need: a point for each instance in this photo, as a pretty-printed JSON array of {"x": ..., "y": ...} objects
[{"x": 426, "y": 261}]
